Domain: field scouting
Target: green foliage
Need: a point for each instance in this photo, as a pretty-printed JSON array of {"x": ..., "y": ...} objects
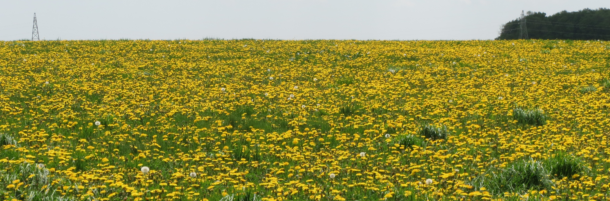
[
  {"x": 434, "y": 133},
  {"x": 345, "y": 81},
  {"x": 408, "y": 141},
  {"x": 518, "y": 177},
  {"x": 606, "y": 84},
  {"x": 588, "y": 89},
  {"x": 564, "y": 165},
  {"x": 534, "y": 117},
  {"x": 6, "y": 139},
  {"x": 586, "y": 24},
  {"x": 349, "y": 110}
]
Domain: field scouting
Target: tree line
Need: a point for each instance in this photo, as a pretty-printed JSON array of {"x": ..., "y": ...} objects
[{"x": 585, "y": 24}]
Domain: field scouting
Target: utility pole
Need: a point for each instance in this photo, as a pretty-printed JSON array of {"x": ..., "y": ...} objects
[
  {"x": 35, "y": 35},
  {"x": 523, "y": 27}
]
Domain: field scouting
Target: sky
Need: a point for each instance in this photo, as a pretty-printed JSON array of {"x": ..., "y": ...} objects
[{"x": 271, "y": 19}]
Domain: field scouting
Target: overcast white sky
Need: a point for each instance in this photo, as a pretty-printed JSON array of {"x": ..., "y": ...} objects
[{"x": 271, "y": 19}]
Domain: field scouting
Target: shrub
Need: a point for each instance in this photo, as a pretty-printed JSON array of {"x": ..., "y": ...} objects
[
  {"x": 434, "y": 133},
  {"x": 534, "y": 117},
  {"x": 563, "y": 165},
  {"x": 408, "y": 141},
  {"x": 518, "y": 177}
]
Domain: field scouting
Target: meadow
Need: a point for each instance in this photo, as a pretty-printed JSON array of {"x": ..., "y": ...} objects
[{"x": 304, "y": 120}]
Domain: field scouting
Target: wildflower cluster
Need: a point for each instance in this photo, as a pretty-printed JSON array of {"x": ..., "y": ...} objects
[{"x": 304, "y": 120}]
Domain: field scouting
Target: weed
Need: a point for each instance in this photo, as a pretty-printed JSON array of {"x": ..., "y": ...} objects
[
  {"x": 408, "y": 141},
  {"x": 434, "y": 133},
  {"x": 534, "y": 117},
  {"x": 588, "y": 89},
  {"x": 564, "y": 165},
  {"x": 518, "y": 177}
]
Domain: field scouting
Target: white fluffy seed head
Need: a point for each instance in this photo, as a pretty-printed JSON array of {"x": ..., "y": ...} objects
[
  {"x": 193, "y": 174},
  {"x": 429, "y": 181},
  {"x": 387, "y": 135},
  {"x": 362, "y": 154},
  {"x": 145, "y": 169},
  {"x": 223, "y": 89},
  {"x": 331, "y": 175},
  {"x": 98, "y": 123}
]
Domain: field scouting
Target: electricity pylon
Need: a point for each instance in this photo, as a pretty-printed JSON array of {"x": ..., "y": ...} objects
[
  {"x": 35, "y": 35},
  {"x": 523, "y": 27}
]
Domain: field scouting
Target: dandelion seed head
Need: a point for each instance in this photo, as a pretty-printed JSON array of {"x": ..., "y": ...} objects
[
  {"x": 429, "y": 181},
  {"x": 362, "y": 154},
  {"x": 331, "y": 175},
  {"x": 145, "y": 169},
  {"x": 193, "y": 174},
  {"x": 98, "y": 123}
]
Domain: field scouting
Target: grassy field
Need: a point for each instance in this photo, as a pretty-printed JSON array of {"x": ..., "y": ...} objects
[{"x": 304, "y": 120}]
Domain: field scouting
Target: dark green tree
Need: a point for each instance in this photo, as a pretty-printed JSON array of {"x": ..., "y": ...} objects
[{"x": 585, "y": 24}]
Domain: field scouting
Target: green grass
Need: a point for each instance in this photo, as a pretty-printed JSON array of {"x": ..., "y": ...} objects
[
  {"x": 588, "y": 89},
  {"x": 535, "y": 117},
  {"x": 518, "y": 177},
  {"x": 606, "y": 84},
  {"x": 408, "y": 141},
  {"x": 434, "y": 133},
  {"x": 563, "y": 165}
]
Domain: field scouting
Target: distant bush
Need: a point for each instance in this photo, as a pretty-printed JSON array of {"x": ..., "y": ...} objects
[
  {"x": 534, "y": 117},
  {"x": 434, "y": 133}
]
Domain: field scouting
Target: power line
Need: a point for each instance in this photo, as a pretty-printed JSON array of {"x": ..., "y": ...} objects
[{"x": 35, "y": 29}]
